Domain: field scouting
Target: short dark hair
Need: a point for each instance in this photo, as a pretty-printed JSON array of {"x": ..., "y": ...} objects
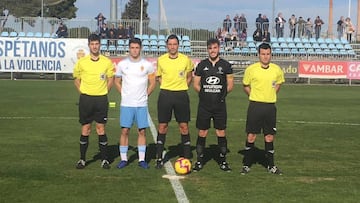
[
  {"x": 93, "y": 37},
  {"x": 135, "y": 41},
  {"x": 264, "y": 46},
  {"x": 212, "y": 41},
  {"x": 172, "y": 36}
]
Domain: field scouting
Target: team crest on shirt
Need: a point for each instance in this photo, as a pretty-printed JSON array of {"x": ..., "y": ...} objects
[
  {"x": 220, "y": 70},
  {"x": 182, "y": 74},
  {"x": 102, "y": 76},
  {"x": 142, "y": 68}
]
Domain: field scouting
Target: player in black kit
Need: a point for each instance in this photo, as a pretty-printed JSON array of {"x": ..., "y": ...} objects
[{"x": 213, "y": 81}]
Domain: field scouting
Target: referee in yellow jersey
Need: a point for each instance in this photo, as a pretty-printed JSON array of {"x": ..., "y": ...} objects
[
  {"x": 174, "y": 73},
  {"x": 262, "y": 81},
  {"x": 94, "y": 76}
]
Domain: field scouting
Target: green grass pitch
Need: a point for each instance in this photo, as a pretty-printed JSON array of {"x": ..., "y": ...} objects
[{"x": 317, "y": 147}]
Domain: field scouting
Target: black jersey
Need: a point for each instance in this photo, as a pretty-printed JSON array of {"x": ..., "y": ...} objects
[{"x": 213, "y": 83}]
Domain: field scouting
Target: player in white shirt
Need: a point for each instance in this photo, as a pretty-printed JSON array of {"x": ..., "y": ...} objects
[{"x": 135, "y": 81}]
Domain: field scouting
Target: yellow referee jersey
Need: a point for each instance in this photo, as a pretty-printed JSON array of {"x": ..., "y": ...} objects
[
  {"x": 93, "y": 75},
  {"x": 173, "y": 72},
  {"x": 262, "y": 82}
]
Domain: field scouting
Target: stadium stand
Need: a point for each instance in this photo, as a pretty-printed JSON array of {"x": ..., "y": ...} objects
[{"x": 4, "y": 34}]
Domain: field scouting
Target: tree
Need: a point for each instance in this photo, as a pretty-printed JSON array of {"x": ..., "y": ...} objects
[
  {"x": 32, "y": 8},
  {"x": 132, "y": 10}
]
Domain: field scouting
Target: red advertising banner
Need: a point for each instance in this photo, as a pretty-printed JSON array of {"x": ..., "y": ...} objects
[
  {"x": 323, "y": 69},
  {"x": 353, "y": 70}
]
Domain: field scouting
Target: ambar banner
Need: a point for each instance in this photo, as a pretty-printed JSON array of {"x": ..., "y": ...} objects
[{"x": 51, "y": 55}]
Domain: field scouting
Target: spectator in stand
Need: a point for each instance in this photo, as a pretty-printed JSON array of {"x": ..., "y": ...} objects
[
  {"x": 227, "y": 23},
  {"x": 242, "y": 37},
  {"x": 243, "y": 22},
  {"x": 309, "y": 28},
  {"x": 112, "y": 37},
  {"x": 318, "y": 23},
  {"x": 266, "y": 36},
  {"x": 104, "y": 31},
  {"x": 122, "y": 34},
  {"x": 279, "y": 25},
  {"x": 340, "y": 27},
  {"x": 301, "y": 27},
  {"x": 259, "y": 22},
  {"x": 112, "y": 28},
  {"x": 349, "y": 28},
  {"x": 100, "y": 21},
  {"x": 292, "y": 26},
  {"x": 265, "y": 23},
  {"x": 62, "y": 31},
  {"x": 130, "y": 32},
  {"x": 237, "y": 23},
  {"x": 257, "y": 36}
]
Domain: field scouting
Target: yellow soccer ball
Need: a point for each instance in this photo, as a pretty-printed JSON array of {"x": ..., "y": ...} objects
[{"x": 182, "y": 166}]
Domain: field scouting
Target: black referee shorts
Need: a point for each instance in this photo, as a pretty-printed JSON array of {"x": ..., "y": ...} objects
[
  {"x": 93, "y": 108},
  {"x": 173, "y": 101},
  {"x": 261, "y": 117},
  {"x": 217, "y": 113}
]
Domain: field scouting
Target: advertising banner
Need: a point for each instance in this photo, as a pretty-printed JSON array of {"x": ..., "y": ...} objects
[
  {"x": 323, "y": 69},
  {"x": 50, "y": 55}
]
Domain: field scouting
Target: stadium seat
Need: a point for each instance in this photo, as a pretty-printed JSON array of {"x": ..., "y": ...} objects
[
  {"x": 321, "y": 40},
  {"x": 21, "y": 34},
  {"x": 289, "y": 39},
  {"x": 187, "y": 49},
  {"x": 120, "y": 42},
  {"x": 137, "y": 36},
  {"x": 112, "y": 49},
  {"x": 251, "y": 45},
  {"x": 145, "y": 37},
  {"x": 145, "y": 43},
  {"x": 146, "y": 48},
  {"x": 46, "y": 35},
  {"x": 273, "y": 39},
  {"x": 153, "y": 42},
  {"x": 29, "y": 34},
  {"x": 283, "y": 45},
  {"x": 281, "y": 40},
  {"x": 291, "y": 45},
  {"x": 312, "y": 40},
  {"x": 336, "y": 41},
  {"x": 185, "y": 38},
  {"x": 299, "y": 45},
  {"x": 38, "y": 34},
  {"x": 275, "y": 45},
  {"x": 347, "y": 47},
  {"x": 153, "y": 37},
  {"x": 332, "y": 46},
  {"x": 162, "y": 49},
  {"x": 120, "y": 48},
  {"x": 316, "y": 46},
  {"x": 323, "y": 46},
  {"x": 237, "y": 50},
  {"x": 5, "y": 34},
  {"x": 161, "y": 43},
  {"x": 328, "y": 41},
  {"x": 305, "y": 40},
  {"x": 154, "y": 48},
  {"x": 13, "y": 34},
  {"x": 186, "y": 44},
  {"x": 103, "y": 42},
  {"x": 297, "y": 40},
  {"x": 161, "y": 37},
  {"x": 103, "y": 48},
  {"x": 344, "y": 41}
]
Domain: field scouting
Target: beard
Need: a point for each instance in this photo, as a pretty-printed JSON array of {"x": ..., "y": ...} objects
[{"x": 213, "y": 58}]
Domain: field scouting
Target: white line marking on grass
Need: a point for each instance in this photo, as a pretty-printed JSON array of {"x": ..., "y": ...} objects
[
  {"x": 171, "y": 175},
  {"x": 232, "y": 120}
]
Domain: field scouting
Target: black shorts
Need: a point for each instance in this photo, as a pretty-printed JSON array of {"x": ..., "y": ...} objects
[
  {"x": 93, "y": 108},
  {"x": 177, "y": 101},
  {"x": 217, "y": 113},
  {"x": 261, "y": 116}
]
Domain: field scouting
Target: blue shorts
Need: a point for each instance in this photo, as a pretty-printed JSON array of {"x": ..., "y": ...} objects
[{"x": 134, "y": 115}]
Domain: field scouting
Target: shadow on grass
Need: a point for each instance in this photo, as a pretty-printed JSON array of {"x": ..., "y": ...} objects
[{"x": 258, "y": 158}]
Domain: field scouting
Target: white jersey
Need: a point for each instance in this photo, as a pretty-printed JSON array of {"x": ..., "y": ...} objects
[{"x": 134, "y": 76}]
